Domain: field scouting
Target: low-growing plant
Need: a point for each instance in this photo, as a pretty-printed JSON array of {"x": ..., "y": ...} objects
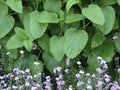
[{"x": 49, "y": 31}]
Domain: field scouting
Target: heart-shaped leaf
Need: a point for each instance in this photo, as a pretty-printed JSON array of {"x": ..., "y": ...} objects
[
  {"x": 47, "y": 17},
  {"x": 74, "y": 18},
  {"x": 70, "y": 3},
  {"x": 75, "y": 41},
  {"x": 97, "y": 40},
  {"x": 15, "y": 5},
  {"x": 57, "y": 47},
  {"x": 6, "y": 24},
  {"x": 94, "y": 13},
  {"x": 3, "y": 8},
  {"x": 109, "y": 14},
  {"x": 14, "y": 42}
]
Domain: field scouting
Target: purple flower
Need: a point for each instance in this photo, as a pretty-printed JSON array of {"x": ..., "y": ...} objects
[
  {"x": 118, "y": 70},
  {"x": 77, "y": 75},
  {"x": 70, "y": 87},
  {"x": 66, "y": 70},
  {"x": 79, "y": 83},
  {"x": 57, "y": 69},
  {"x": 67, "y": 61},
  {"x": 99, "y": 70},
  {"x": 89, "y": 87}
]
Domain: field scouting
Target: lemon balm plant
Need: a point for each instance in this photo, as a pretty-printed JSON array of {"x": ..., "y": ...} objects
[{"x": 48, "y": 31}]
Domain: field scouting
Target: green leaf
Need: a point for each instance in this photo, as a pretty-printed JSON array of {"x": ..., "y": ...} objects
[
  {"x": 62, "y": 15},
  {"x": 106, "y": 50},
  {"x": 53, "y": 5},
  {"x": 109, "y": 14},
  {"x": 3, "y": 8},
  {"x": 15, "y": 5},
  {"x": 57, "y": 47},
  {"x": 6, "y": 24},
  {"x": 50, "y": 62},
  {"x": 97, "y": 40},
  {"x": 117, "y": 41},
  {"x": 13, "y": 54},
  {"x": 93, "y": 63},
  {"x": 75, "y": 41},
  {"x": 20, "y": 33},
  {"x": 74, "y": 18},
  {"x": 28, "y": 45},
  {"x": 14, "y": 42},
  {"x": 43, "y": 42},
  {"x": 70, "y": 3},
  {"x": 118, "y": 2},
  {"x": 94, "y": 13},
  {"x": 46, "y": 17},
  {"x": 33, "y": 28},
  {"x": 106, "y": 3}
]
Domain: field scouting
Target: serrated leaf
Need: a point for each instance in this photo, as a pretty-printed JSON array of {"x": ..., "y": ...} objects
[
  {"x": 6, "y": 24},
  {"x": 97, "y": 40},
  {"x": 53, "y": 5},
  {"x": 75, "y": 41},
  {"x": 20, "y": 33},
  {"x": 14, "y": 42},
  {"x": 34, "y": 29},
  {"x": 94, "y": 13},
  {"x": 3, "y": 8},
  {"x": 47, "y": 17},
  {"x": 57, "y": 47},
  {"x": 109, "y": 14},
  {"x": 106, "y": 3},
  {"x": 15, "y": 5},
  {"x": 106, "y": 50},
  {"x": 70, "y": 3},
  {"x": 28, "y": 45},
  {"x": 117, "y": 41},
  {"x": 74, "y": 18},
  {"x": 50, "y": 62},
  {"x": 43, "y": 42}
]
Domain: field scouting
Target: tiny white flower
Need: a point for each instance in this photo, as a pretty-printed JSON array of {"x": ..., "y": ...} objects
[
  {"x": 115, "y": 37},
  {"x": 21, "y": 52},
  {"x": 36, "y": 63},
  {"x": 8, "y": 53}
]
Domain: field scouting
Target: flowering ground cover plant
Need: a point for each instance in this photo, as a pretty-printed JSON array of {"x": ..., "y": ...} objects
[{"x": 59, "y": 44}]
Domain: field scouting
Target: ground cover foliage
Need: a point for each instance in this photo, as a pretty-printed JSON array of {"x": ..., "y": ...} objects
[{"x": 50, "y": 31}]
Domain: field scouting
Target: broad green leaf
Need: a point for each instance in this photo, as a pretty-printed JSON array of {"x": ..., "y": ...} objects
[
  {"x": 97, "y": 40},
  {"x": 93, "y": 63},
  {"x": 74, "y": 18},
  {"x": 117, "y": 41},
  {"x": 53, "y": 5},
  {"x": 43, "y": 42},
  {"x": 75, "y": 41},
  {"x": 106, "y": 2},
  {"x": 94, "y": 13},
  {"x": 3, "y": 8},
  {"x": 14, "y": 42},
  {"x": 116, "y": 24},
  {"x": 20, "y": 33},
  {"x": 62, "y": 15},
  {"x": 106, "y": 50},
  {"x": 15, "y": 5},
  {"x": 50, "y": 62},
  {"x": 70, "y": 3},
  {"x": 109, "y": 14},
  {"x": 28, "y": 45},
  {"x": 33, "y": 28},
  {"x": 118, "y": 2},
  {"x": 6, "y": 24},
  {"x": 57, "y": 47},
  {"x": 47, "y": 17}
]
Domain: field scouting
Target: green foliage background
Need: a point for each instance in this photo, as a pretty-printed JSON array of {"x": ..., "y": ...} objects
[{"x": 74, "y": 29}]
